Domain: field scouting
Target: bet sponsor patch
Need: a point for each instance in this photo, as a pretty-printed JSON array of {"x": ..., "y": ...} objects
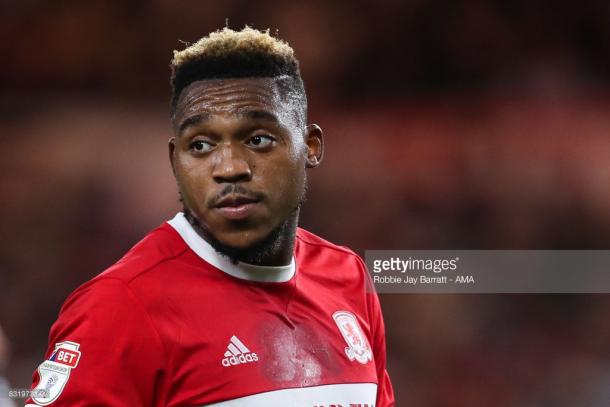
[{"x": 55, "y": 372}]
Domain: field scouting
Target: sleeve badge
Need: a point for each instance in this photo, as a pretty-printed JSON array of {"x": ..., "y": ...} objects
[{"x": 55, "y": 372}]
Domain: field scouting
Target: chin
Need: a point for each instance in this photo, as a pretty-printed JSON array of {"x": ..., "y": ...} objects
[
  {"x": 238, "y": 242},
  {"x": 253, "y": 251},
  {"x": 245, "y": 238},
  {"x": 244, "y": 241}
]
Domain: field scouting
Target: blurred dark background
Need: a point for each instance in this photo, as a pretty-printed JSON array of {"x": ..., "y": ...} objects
[{"x": 449, "y": 125}]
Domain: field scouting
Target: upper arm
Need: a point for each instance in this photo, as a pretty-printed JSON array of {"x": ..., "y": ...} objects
[{"x": 103, "y": 350}]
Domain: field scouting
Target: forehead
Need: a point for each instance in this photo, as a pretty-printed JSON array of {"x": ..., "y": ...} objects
[{"x": 228, "y": 97}]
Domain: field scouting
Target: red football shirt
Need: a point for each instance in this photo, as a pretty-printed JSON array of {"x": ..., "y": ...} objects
[{"x": 174, "y": 323}]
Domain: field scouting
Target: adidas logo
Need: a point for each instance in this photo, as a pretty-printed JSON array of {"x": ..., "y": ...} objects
[{"x": 238, "y": 353}]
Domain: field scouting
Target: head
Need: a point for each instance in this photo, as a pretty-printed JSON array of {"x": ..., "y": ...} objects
[{"x": 241, "y": 143}]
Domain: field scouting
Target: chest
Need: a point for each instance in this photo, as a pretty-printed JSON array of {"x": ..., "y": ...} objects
[{"x": 251, "y": 340}]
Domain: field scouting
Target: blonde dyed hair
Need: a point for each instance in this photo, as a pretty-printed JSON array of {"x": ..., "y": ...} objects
[
  {"x": 226, "y": 40},
  {"x": 227, "y": 53}
]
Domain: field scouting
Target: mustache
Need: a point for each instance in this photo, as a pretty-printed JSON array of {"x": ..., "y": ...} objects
[{"x": 235, "y": 189}]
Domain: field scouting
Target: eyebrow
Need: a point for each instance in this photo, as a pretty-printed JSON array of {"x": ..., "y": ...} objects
[
  {"x": 244, "y": 114},
  {"x": 192, "y": 121},
  {"x": 258, "y": 115}
]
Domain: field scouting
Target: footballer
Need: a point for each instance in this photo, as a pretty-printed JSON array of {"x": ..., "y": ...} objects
[{"x": 229, "y": 303}]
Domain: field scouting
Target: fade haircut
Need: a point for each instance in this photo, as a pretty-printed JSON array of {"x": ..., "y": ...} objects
[{"x": 248, "y": 53}]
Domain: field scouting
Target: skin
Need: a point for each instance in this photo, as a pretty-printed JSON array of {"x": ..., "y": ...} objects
[{"x": 239, "y": 155}]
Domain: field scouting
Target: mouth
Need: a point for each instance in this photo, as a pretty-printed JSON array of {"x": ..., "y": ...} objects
[{"x": 236, "y": 207}]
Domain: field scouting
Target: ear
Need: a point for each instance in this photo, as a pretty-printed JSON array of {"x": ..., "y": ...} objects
[
  {"x": 171, "y": 148},
  {"x": 315, "y": 145}
]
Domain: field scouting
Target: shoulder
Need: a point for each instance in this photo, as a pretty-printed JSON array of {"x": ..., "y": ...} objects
[
  {"x": 159, "y": 247},
  {"x": 146, "y": 262},
  {"x": 117, "y": 301},
  {"x": 314, "y": 241},
  {"x": 334, "y": 260}
]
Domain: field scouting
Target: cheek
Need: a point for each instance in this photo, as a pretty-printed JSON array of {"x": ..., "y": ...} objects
[
  {"x": 191, "y": 177},
  {"x": 283, "y": 180}
]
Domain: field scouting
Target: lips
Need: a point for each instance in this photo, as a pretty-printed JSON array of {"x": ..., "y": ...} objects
[{"x": 236, "y": 207}]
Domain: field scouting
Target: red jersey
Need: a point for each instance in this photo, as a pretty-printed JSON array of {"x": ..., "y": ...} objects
[{"x": 175, "y": 323}]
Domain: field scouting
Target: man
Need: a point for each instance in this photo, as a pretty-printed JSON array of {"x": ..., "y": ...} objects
[{"x": 229, "y": 303}]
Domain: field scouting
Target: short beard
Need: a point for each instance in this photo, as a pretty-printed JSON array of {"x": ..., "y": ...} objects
[{"x": 257, "y": 253}]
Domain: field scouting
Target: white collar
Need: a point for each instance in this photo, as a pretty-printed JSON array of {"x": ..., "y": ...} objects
[{"x": 245, "y": 271}]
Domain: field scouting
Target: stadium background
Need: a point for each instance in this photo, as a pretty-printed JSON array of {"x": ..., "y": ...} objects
[{"x": 449, "y": 125}]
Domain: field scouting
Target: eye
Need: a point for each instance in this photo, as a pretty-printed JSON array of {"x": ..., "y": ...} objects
[
  {"x": 261, "y": 141},
  {"x": 201, "y": 146}
]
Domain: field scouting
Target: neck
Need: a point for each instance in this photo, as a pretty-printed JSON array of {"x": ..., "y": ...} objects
[
  {"x": 276, "y": 249},
  {"x": 281, "y": 250}
]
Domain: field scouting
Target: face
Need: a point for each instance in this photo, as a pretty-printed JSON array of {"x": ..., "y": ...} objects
[{"x": 239, "y": 156}]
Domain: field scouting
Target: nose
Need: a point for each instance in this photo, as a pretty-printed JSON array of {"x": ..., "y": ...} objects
[{"x": 230, "y": 167}]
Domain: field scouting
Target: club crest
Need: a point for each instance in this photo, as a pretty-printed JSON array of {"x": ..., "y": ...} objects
[
  {"x": 358, "y": 346},
  {"x": 55, "y": 372}
]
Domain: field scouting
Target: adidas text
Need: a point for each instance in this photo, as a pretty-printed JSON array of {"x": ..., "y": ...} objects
[
  {"x": 238, "y": 353},
  {"x": 236, "y": 360}
]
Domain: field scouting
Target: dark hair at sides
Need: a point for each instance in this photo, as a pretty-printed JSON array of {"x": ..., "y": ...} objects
[{"x": 240, "y": 64}]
